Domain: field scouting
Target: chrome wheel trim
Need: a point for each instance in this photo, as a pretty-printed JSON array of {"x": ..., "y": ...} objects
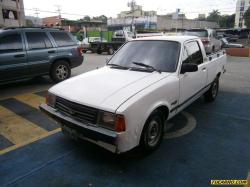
[{"x": 62, "y": 72}]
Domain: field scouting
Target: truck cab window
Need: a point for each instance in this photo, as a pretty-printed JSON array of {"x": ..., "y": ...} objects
[{"x": 194, "y": 52}]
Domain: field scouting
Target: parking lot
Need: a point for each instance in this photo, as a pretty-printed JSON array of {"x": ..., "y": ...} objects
[{"x": 207, "y": 141}]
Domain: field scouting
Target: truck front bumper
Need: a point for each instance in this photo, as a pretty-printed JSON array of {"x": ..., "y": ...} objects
[{"x": 75, "y": 129}]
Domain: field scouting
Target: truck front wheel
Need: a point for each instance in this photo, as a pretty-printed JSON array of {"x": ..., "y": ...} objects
[
  {"x": 152, "y": 133},
  {"x": 99, "y": 51},
  {"x": 212, "y": 93}
]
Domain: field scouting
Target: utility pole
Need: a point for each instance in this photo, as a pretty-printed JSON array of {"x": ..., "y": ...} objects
[
  {"x": 36, "y": 13},
  {"x": 132, "y": 5},
  {"x": 59, "y": 13}
]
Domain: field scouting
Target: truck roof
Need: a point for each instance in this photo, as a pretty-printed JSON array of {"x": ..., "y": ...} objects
[{"x": 180, "y": 39}]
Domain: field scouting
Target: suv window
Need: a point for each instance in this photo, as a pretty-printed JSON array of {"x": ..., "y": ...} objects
[
  {"x": 38, "y": 40},
  {"x": 194, "y": 52},
  {"x": 11, "y": 43},
  {"x": 62, "y": 39}
]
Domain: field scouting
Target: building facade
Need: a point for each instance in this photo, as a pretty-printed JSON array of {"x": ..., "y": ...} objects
[
  {"x": 137, "y": 17},
  {"x": 12, "y": 13},
  {"x": 241, "y": 7}
]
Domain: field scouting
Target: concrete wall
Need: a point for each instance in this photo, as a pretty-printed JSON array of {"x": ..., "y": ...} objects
[{"x": 166, "y": 23}]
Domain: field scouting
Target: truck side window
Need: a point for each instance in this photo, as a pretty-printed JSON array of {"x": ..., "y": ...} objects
[
  {"x": 11, "y": 43},
  {"x": 194, "y": 52}
]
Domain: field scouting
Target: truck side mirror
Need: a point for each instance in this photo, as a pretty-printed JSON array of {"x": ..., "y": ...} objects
[{"x": 189, "y": 68}]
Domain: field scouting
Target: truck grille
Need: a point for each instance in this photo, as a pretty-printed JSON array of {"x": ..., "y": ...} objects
[{"x": 76, "y": 111}]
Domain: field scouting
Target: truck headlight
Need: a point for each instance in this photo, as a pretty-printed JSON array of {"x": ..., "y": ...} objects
[
  {"x": 112, "y": 121},
  {"x": 50, "y": 99}
]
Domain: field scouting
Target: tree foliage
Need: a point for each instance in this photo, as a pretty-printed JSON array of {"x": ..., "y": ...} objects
[
  {"x": 246, "y": 18},
  {"x": 86, "y": 18},
  {"x": 214, "y": 16},
  {"x": 227, "y": 21},
  {"x": 224, "y": 21}
]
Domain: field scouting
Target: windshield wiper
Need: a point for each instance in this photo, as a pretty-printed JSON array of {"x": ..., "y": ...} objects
[
  {"x": 146, "y": 66},
  {"x": 117, "y": 66}
]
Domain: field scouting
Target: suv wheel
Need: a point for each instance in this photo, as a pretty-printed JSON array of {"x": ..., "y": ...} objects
[
  {"x": 152, "y": 133},
  {"x": 60, "y": 71},
  {"x": 212, "y": 93}
]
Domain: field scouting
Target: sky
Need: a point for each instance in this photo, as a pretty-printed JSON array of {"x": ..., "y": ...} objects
[{"x": 75, "y": 9}]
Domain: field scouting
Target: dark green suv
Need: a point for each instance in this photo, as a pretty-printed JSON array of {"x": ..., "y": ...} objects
[{"x": 30, "y": 52}]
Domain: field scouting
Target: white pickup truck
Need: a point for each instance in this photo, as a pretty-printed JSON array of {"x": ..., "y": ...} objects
[{"x": 127, "y": 102}]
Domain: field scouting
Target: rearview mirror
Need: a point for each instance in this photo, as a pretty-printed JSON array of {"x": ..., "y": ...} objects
[{"x": 189, "y": 68}]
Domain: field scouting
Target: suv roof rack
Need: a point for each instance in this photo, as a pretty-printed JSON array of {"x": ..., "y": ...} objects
[{"x": 8, "y": 28}]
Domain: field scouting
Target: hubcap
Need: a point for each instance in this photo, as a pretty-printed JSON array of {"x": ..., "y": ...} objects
[
  {"x": 62, "y": 72},
  {"x": 214, "y": 89},
  {"x": 153, "y": 133}
]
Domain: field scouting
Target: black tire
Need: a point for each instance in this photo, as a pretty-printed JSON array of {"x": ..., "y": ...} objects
[
  {"x": 60, "y": 71},
  {"x": 99, "y": 51},
  {"x": 111, "y": 51},
  {"x": 154, "y": 127},
  {"x": 213, "y": 49},
  {"x": 212, "y": 93}
]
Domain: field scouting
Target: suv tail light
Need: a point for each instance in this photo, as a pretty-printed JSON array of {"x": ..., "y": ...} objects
[{"x": 80, "y": 50}]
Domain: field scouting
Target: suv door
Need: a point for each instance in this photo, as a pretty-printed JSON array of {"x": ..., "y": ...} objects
[
  {"x": 12, "y": 57},
  {"x": 192, "y": 83},
  {"x": 39, "y": 52}
]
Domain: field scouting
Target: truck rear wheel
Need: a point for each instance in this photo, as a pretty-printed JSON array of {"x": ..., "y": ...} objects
[
  {"x": 111, "y": 50},
  {"x": 99, "y": 51},
  {"x": 212, "y": 93}
]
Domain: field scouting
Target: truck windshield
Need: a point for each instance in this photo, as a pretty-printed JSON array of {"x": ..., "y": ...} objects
[{"x": 160, "y": 55}]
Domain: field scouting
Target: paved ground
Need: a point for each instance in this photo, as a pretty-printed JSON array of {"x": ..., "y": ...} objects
[{"x": 207, "y": 141}]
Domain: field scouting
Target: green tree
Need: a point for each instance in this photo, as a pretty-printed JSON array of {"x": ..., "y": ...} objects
[
  {"x": 227, "y": 21},
  {"x": 214, "y": 16},
  {"x": 103, "y": 18},
  {"x": 86, "y": 18},
  {"x": 247, "y": 18},
  {"x": 29, "y": 23}
]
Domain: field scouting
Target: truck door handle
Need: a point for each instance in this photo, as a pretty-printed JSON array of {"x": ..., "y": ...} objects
[
  {"x": 19, "y": 56},
  {"x": 52, "y": 51},
  {"x": 204, "y": 69}
]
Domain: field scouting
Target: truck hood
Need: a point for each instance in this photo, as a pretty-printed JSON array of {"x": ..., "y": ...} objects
[{"x": 106, "y": 88}]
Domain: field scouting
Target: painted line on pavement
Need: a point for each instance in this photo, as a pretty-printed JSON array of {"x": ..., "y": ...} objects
[
  {"x": 248, "y": 179},
  {"x": 16, "y": 128},
  {"x": 29, "y": 141},
  {"x": 30, "y": 99},
  {"x": 29, "y": 113}
]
